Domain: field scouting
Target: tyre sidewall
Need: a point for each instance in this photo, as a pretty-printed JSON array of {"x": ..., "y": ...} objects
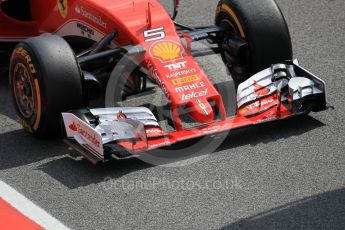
[
  {"x": 22, "y": 54},
  {"x": 59, "y": 82}
]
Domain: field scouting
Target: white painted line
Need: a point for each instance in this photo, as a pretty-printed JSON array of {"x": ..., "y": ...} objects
[{"x": 29, "y": 209}]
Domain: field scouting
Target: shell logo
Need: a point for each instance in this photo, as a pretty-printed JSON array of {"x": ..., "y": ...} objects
[
  {"x": 166, "y": 51},
  {"x": 243, "y": 111}
]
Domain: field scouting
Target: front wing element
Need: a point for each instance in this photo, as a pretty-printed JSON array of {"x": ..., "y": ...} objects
[
  {"x": 283, "y": 85},
  {"x": 279, "y": 92}
]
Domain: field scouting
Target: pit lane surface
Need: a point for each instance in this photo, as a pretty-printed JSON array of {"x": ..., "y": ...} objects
[{"x": 287, "y": 175}]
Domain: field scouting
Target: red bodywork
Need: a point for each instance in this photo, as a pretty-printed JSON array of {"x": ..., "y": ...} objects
[{"x": 167, "y": 57}]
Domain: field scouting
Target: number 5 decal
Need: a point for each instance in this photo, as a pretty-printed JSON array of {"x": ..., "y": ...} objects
[{"x": 154, "y": 34}]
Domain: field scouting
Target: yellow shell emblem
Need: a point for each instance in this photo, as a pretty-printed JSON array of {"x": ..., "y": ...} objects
[{"x": 166, "y": 51}]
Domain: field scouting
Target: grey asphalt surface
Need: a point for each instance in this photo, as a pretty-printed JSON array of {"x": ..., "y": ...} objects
[{"x": 287, "y": 175}]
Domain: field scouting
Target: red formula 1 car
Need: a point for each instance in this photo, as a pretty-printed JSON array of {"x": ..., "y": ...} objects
[{"x": 68, "y": 55}]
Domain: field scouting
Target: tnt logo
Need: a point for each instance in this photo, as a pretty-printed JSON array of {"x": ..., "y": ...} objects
[{"x": 176, "y": 66}]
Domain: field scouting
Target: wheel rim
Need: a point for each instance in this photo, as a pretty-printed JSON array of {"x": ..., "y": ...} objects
[
  {"x": 24, "y": 91},
  {"x": 239, "y": 67}
]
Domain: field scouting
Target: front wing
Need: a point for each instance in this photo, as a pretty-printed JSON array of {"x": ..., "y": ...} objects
[{"x": 279, "y": 92}]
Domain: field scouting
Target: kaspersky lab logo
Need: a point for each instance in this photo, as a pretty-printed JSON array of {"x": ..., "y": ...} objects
[{"x": 98, "y": 20}]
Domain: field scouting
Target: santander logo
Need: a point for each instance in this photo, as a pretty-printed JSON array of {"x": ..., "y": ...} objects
[
  {"x": 86, "y": 14},
  {"x": 259, "y": 90},
  {"x": 91, "y": 137},
  {"x": 256, "y": 106},
  {"x": 259, "y": 104},
  {"x": 73, "y": 127}
]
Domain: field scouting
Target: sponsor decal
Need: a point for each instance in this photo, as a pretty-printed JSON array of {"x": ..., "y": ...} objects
[
  {"x": 194, "y": 95},
  {"x": 260, "y": 90},
  {"x": 121, "y": 116},
  {"x": 166, "y": 51},
  {"x": 73, "y": 127},
  {"x": 27, "y": 58},
  {"x": 255, "y": 106},
  {"x": 154, "y": 131},
  {"x": 154, "y": 75},
  {"x": 243, "y": 111},
  {"x": 261, "y": 103},
  {"x": 176, "y": 66},
  {"x": 85, "y": 30},
  {"x": 79, "y": 28},
  {"x": 181, "y": 73},
  {"x": 63, "y": 7},
  {"x": 203, "y": 107},
  {"x": 91, "y": 137},
  {"x": 96, "y": 19},
  {"x": 84, "y": 134},
  {"x": 193, "y": 86},
  {"x": 185, "y": 80}
]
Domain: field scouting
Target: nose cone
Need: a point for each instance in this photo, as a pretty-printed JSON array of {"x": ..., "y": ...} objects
[{"x": 201, "y": 111}]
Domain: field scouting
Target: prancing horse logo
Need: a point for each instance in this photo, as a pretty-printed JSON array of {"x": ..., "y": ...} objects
[{"x": 63, "y": 7}]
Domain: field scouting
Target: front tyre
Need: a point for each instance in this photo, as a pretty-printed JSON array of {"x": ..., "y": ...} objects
[
  {"x": 45, "y": 80},
  {"x": 262, "y": 27}
]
